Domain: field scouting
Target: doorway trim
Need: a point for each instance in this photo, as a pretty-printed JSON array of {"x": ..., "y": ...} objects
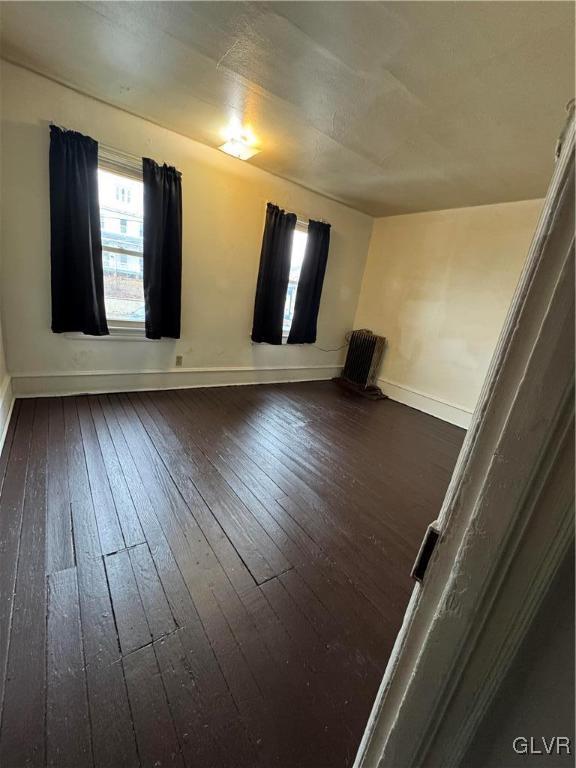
[{"x": 502, "y": 539}]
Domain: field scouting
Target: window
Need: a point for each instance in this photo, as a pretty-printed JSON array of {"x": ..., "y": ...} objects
[
  {"x": 298, "y": 249},
  {"x": 121, "y": 217}
]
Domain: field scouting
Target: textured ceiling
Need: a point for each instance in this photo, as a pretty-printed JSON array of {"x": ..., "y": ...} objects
[{"x": 390, "y": 107}]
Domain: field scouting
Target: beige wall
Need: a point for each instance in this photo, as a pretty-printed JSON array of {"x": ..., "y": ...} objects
[
  {"x": 224, "y": 205},
  {"x": 438, "y": 286}
]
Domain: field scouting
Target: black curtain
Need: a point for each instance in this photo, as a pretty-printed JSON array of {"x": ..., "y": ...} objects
[
  {"x": 273, "y": 275},
  {"x": 303, "y": 330},
  {"x": 162, "y": 249},
  {"x": 75, "y": 241}
]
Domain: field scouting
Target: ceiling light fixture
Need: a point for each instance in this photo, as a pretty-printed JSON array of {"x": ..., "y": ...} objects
[{"x": 240, "y": 141}]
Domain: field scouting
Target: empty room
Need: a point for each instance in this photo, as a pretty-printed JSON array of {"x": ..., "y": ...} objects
[{"x": 286, "y": 384}]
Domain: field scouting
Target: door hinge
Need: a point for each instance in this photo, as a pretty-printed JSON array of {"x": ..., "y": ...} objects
[{"x": 425, "y": 552}]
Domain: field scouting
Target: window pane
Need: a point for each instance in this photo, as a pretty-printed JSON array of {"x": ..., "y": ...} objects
[
  {"x": 123, "y": 286},
  {"x": 121, "y": 216},
  {"x": 121, "y": 211},
  {"x": 298, "y": 249},
  {"x": 289, "y": 305},
  {"x": 297, "y": 257}
]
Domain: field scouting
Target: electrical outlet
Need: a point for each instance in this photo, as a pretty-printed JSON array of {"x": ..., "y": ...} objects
[{"x": 178, "y": 361}]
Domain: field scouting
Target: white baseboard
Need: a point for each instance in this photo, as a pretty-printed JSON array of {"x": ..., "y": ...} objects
[
  {"x": 6, "y": 406},
  {"x": 58, "y": 383},
  {"x": 93, "y": 382},
  {"x": 454, "y": 414}
]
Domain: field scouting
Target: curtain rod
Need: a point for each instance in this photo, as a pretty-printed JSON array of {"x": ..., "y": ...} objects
[
  {"x": 308, "y": 219},
  {"x": 116, "y": 151},
  {"x": 101, "y": 145},
  {"x": 305, "y": 219},
  {"x": 302, "y": 219}
]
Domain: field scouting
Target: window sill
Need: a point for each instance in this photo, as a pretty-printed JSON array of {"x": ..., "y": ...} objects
[{"x": 125, "y": 332}]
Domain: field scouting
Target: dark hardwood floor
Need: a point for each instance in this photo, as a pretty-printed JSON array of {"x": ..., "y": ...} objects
[{"x": 209, "y": 577}]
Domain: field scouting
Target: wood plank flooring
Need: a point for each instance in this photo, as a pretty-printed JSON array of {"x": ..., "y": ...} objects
[{"x": 209, "y": 578}]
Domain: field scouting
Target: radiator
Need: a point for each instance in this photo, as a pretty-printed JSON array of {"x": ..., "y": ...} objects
[{"x": 363, "y": 362}]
